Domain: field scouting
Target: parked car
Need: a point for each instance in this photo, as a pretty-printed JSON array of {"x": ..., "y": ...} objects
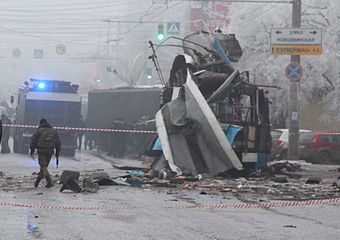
[
  {"x": 279, "y": 148},
  {"x": 320, "y": 147}
]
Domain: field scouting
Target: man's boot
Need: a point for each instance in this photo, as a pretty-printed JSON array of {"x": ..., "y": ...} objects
[
  {"x": 49, "y": 182},
  {"x": 37, "y": 181}
]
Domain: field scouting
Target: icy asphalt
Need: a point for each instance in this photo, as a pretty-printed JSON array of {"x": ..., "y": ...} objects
[{"x": 139, "y": 213}]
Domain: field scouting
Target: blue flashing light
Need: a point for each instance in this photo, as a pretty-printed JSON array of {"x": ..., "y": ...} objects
[{"x": 41, "y": 85}]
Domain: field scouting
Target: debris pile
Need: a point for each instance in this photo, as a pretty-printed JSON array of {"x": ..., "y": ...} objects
[{"x": 284, "y": 180}]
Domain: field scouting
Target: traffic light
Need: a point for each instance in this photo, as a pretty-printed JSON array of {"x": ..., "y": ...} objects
[
  {"x": 96, "y": 77},
  {"x": 148, "y": 73},
  {"x": 160, "y": 35}
]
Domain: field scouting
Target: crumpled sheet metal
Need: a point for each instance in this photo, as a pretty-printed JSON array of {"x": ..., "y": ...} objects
[{"x": 205, "y": 148}]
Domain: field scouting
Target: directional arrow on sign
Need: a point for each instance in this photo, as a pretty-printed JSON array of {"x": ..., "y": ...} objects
[{"x": 296, "y": 36}]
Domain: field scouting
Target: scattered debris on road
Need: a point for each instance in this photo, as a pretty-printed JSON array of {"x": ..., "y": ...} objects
[
  {"x": 70, "y": 184},
  {"x": 283, "y": 180},
  {"x": 67, "y": 174},
  {"x": 290, "y": 226},
  {"x": 313, "y": 180}
]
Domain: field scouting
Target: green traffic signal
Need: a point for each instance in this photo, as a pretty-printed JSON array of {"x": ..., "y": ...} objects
[
  {"x": 98, "y": 80},
  {"x": 160, "y": 35},
  {"x": 148, "y": 73}
]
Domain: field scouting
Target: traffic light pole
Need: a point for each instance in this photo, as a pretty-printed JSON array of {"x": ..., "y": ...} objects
[{"x": 294, "y": 128}]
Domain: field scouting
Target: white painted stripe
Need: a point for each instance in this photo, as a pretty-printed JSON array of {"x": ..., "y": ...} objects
[{"x": 53, "y": 96}]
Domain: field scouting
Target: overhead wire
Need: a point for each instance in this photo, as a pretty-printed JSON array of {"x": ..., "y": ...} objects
[
  {"x": 51, "y": 16},
  {"x": 53, "y": 4},
  {"x": 32, "y": 32}
]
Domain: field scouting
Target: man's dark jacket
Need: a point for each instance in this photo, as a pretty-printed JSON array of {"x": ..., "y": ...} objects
[{"x": 38, "y": 142}]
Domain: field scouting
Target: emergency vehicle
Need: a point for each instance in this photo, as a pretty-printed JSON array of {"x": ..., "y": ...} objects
[{"x": 55, "y": 100}]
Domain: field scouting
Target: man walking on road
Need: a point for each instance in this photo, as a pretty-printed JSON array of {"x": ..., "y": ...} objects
[{"x": 45, "y": 139}]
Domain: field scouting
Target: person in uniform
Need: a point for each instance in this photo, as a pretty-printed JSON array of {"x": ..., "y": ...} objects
[{"x": 45, "y": 139}]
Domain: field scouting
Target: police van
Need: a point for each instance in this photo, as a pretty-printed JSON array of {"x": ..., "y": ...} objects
[{"x": 55, "y": 100}]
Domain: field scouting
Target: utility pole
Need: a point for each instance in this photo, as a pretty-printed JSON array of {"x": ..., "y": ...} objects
[{"x": 294, "y": 128}]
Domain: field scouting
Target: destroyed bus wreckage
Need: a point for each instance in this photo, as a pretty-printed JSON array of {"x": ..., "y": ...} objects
[{"x": 210, "y": 113}]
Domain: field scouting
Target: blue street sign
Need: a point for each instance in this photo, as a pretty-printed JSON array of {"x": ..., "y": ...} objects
[
  {"x": 294, "y": 71},
  {"x": 173, "y": 27}
]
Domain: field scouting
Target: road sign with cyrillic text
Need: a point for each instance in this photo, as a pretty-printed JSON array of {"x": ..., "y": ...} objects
[
  {"x": 296, "y": 41},
  {"x": 296, "y": 36},
  {"x": 297, "y": 49}
]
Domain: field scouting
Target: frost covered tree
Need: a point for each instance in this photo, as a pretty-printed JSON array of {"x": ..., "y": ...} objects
[
  {"x": 325, "y": 15},
  {"x": 252, "y": 24}
]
